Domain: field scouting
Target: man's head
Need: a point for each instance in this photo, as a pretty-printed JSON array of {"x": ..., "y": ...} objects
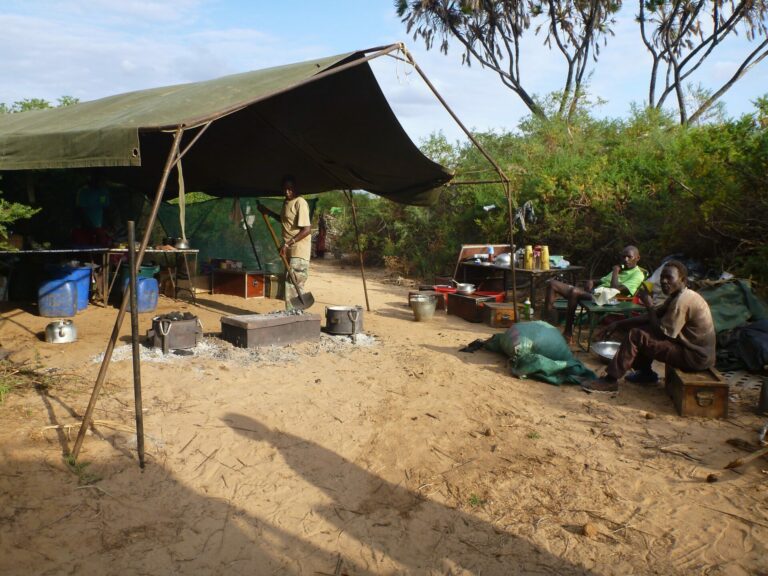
[
  {"x": 674, "y": 277},
  {"x": 630, "y": 256},
  {"x": 289, "y": 187}
]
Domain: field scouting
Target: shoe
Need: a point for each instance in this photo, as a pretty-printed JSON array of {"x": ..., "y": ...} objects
[
  {"x": 600, "y": 385},
  {"x": 642, "y": 377}
]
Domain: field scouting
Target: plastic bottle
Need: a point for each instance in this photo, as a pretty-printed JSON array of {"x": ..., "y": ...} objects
[
  {"x": 490, "y": 253},
  {"x": 545, "y": 257},
  {"x": 527, "y": 309}
]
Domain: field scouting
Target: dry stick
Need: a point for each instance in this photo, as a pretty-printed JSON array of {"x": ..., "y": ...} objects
[
  {"x": 499, "y": 171},
  {"x": 348, "y": 194},
  {"x": 748, "y": 458},
  {"x": 169, "y": 163},
  {"x": 135, "y": 351},
  {"x": 211, "y": 455},
  {"x": 742, "y": 518}
]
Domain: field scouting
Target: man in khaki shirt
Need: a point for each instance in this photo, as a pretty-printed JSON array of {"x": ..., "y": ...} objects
[
  {"x": 297, "y": 240},
  {"x": 680, "y": 333}
]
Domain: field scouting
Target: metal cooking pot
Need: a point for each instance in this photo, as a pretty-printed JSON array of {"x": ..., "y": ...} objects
[
  {"x": 503, "y": 259},
  {"x": 343, "y": 319},
  {"x": 61, "y": 332},
  {"x": 182, "y": 244},
  {"x": 605, "y": 351},
  {"x": 463, "y": 288}
]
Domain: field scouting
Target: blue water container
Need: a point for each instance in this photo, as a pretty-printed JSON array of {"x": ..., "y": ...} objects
[
  {"x": 57, "y": 298},
  {"x": 146, "y": 293},
  {"x": 80, "y": 275}
]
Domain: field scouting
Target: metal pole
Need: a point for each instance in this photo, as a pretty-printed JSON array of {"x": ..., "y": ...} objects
[
  {"x": 499, "y": 171},
  {"x": 348, "y": 194},
  {"x": 135, "y": 344},
  {"x": 169, "y": 163}
]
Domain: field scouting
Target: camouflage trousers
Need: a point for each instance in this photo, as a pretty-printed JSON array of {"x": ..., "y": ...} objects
[{"x": 300, "y": 269}]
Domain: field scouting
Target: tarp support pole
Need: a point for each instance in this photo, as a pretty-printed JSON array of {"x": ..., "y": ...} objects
[
  {"x": 499, "y": 171},
  {"x": 350, "y": 199},
  {"x": 135, "y": 350},
  {"x": 173, "y": 157}
]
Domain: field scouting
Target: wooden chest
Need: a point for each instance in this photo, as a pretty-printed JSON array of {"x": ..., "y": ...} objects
[
  {"x": 467, "y": 306},
  {"x": 243, "y": 283},
  {"x": 703, "y": 394},
  {"x": 499, "y": 314},
  {"x": 276, "y": 329}
]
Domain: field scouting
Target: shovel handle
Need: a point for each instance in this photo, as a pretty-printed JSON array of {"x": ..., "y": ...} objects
[{"x": 288, "y": 269}]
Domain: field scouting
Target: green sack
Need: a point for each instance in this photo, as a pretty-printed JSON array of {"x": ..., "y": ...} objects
[{"x": 538, "y": 350}]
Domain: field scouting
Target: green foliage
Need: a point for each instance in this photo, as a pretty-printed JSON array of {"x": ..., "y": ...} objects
[
  {"x": 10, "y": 212},
  {"x": 35, "y": 104},
  {"x": 596, "y": 186}
]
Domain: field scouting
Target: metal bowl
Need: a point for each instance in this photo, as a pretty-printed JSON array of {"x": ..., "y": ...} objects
[
  {"x": 605, "y": 350},
  {"x": 503, "y": 259},
  {"x": 463, "y": 288}
]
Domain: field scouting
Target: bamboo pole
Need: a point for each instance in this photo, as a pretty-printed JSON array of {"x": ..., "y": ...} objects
[
  {"x": 499, "y": 171},
  {"x": 173, "y": 156},
  {"x": 136, "y": 352},
  {"x": 350, "y": 199}
]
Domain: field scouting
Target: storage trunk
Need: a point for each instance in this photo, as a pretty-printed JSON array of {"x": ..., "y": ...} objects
[
  {"x": 499, "y": 314},
  {"x": 703, "y": 394},
  {"x": 243, "y": 283},
  {"x": 467, "y": 306},
  {"x": 253, "y": 330}
]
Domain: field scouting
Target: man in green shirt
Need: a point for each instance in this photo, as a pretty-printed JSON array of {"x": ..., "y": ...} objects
[{"x": 625, "y": 277}]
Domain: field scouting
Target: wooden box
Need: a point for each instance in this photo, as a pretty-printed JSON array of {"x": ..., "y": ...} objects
[
  {"x": 467, "y": 306},
  {"x": 499, "y": 314},
  {"x": 703, "y": 394},
  {"x": 277, "y": 329},
  {"x": 243, "y": 283}
]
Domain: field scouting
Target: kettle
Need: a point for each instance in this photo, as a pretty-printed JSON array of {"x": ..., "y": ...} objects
[{"x": 60, "y": 332}]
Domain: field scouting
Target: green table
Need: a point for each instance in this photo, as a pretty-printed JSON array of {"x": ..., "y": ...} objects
[{"x": 596, "y": 313}]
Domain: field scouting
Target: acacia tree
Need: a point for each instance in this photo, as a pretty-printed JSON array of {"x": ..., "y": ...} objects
[
  {"x": 681, "y": 34},
  {"x": 492, "y": 31}
]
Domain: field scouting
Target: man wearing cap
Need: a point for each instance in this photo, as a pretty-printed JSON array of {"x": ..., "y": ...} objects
[{"x": 297, "y": 240}]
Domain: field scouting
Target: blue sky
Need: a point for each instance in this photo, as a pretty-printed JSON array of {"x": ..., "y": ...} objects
[{"x": 94, "y": 48}]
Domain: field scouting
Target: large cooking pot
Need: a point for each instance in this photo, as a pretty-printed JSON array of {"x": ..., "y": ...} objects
[
  {"x": 344, "y": 319},
  {"x": 61, "y": 332}
]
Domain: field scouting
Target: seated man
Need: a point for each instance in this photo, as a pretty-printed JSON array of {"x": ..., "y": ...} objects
[
  {"x": 680, "y": 333},
  {"x": 625, "y": 277}
]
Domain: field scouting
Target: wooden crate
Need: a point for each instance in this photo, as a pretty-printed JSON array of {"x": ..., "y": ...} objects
[
  {"x": 499, "y": 314},
  {"x": 703, "y": 394},
  {"x": 467, "y": 306},
  {"x": 243, "y": 283}
]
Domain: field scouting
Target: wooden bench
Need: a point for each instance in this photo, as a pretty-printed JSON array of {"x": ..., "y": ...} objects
[{"x": 703, "y": 394}]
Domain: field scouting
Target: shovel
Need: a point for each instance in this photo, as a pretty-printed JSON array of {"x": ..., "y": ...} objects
[{"x": 304, "y": 299}]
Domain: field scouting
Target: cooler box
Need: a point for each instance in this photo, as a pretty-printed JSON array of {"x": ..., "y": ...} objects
[{"x": 499, "y": 314}]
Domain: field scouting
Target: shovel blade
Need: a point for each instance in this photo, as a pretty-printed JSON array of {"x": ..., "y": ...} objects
[{"x": 303, "y": 301}]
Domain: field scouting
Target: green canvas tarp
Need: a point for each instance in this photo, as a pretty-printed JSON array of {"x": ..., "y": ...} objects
[{"x": 325, "y": 121}]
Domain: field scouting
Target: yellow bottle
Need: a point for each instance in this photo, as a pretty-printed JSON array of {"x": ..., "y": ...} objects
[
  {"x": 528, "y": 259},
  {"x": 545, "y": 257}
]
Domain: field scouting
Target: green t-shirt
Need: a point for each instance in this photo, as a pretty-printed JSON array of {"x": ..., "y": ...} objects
[{"x": 631, "y": 278}]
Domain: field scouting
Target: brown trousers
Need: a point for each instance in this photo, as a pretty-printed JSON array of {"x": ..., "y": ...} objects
[{"x": 641, "y": 347}]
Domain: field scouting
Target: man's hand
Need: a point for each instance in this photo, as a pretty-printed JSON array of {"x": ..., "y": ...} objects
[
  {"x": 616, "y": 269},
  {"x": 645, "y": 297}
]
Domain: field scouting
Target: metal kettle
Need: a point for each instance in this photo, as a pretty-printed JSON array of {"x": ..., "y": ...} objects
[{"x": 61, "y": 332}]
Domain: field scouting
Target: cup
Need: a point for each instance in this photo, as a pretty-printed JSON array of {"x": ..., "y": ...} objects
[{"x": 648, "y": 286}]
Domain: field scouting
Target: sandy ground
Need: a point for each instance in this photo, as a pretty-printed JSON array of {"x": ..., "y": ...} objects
[{"x": 394, "y": 455}]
